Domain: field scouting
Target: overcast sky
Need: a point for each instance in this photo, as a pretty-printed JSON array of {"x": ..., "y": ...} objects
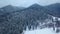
[{"x": 26, "y": 3}]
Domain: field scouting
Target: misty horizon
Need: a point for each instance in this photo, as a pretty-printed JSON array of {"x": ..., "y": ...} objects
[{"x": 27, "y": 3}]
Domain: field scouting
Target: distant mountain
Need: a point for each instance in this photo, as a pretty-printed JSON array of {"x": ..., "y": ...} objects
[
  {"x": 54, "y": 9},
  {"x": 32, "y": 14},
  {"x": 10, "y": 20},
  {"x": 28, "y": 16},
  {"x": 10, "y": 8},
  {"x": 16, "y": 22},
  {"x": 35, "y": 11},
  {"x": 36, "y": 6}
]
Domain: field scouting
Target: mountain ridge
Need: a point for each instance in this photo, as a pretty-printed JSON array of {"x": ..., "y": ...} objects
[{"x": 55, "y": 9}]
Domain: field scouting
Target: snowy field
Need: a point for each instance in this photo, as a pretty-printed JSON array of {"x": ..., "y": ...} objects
[{"x": 41, "y": 31}]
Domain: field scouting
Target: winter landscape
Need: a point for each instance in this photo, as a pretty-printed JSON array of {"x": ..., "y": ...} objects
[{"x": 34, "y": 19}]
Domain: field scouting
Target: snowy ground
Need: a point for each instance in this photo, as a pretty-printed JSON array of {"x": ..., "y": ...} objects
[{"x": 41, "y": 31}]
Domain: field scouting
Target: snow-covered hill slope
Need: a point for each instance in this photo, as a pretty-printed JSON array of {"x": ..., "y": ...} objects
[{"x": 41, "y": 31}]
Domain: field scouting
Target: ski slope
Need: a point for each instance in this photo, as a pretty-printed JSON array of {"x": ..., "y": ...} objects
[{"x": 41, "y": 31}]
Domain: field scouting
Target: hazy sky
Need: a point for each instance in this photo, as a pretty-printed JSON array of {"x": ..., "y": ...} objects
[{"x": 26, "y": 3}]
